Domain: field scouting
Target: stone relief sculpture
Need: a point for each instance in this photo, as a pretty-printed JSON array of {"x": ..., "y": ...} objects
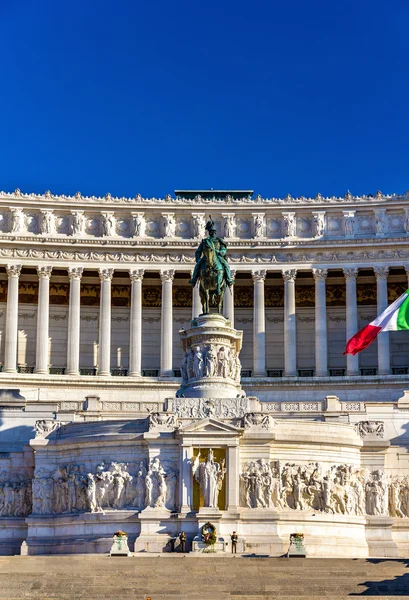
[
  {"x": 209, "y": 475},
  {"x": 169, "y": 225},
  {"x": 379, "y": 224},
  {"x": 44, "y": 427},
  {"x": 229, "y": 226},
  {"x": 47, "y": 223},
  {"x": 17, "y": 220},
  {"x": 15, "y": 495},
  {"x": 258, "y": 421},
  {"x": 139, "y": 225},
  {"x": 210, "y": 361},
  {"x": 319, "y": 223},
  {"x": 258, "y": 226},
  {"x": 290, "y": 225},
  {"x": 108, "y": 224},
  {"x": 202, "y": 408},
  {"x": 78, "y": 223},
  {"x": 338, "y": 489},
  {"x": 165, "y": 421},
  {"x": 199, "y": 223},
  {"x": 349, "y": 225},
  {"x": 114, "y": 486},
  {"x": 370, "y": 428}
]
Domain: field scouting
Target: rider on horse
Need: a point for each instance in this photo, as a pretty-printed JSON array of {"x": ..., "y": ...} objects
[{"x": 220, "y": 250}]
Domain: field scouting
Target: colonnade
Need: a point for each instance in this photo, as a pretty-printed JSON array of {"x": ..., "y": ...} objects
[{"x": 166, "y": 341}]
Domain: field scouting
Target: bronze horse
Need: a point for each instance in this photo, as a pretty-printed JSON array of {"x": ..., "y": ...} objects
[{"x": 211, "y": 277}]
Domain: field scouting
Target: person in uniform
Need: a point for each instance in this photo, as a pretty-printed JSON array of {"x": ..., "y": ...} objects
[
  {"x": 234, "y": 539},
  {"x": 182, "y": 540}
]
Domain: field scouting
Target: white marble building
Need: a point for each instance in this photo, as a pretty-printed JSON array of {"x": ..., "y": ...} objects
[{"x": 94, "y": 291}]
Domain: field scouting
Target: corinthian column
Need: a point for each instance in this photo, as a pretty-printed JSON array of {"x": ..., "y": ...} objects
[
  {"x": 10, "y": 346},
  {"x": 259, "y": 325},
  {"x": 43, "y": 316},
  {"x": 104, "y": 359},
  {"x": 166, "y": 369},
  {"x": 351, "y": 317},
  {"x": 135, "y": 336},
  {"x": 73, "y": 344},
  {"x": 228, "y": 301},
  {"x": 321, "y": 348},
  {"x": 290, "y": 331},
  {"x": 384, "y": 363}
]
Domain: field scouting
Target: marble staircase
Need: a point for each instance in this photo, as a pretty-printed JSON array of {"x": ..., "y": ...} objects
[{"x": 187, "y": 577}]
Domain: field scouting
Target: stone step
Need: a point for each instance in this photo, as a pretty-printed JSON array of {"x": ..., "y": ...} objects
[{"x": 189, "y": 577}]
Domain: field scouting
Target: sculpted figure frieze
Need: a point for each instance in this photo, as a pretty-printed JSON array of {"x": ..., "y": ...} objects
[
  {"x": 370, "y": 428},
  {"x": 114, "y": 486}
]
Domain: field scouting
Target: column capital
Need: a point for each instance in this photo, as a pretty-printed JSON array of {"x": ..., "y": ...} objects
[
  {"x": 350, "y": 273},
  {"x": 289, "y": 274},
  {"x": 167, "y": 275},
  {"x": 44, "y": 272},
  {"x": 381, "y": 272},
  {"x": 106, "y": 274},
  {"x": 14, "y": 270},
  {"x": 319, "y": 274},
  {"x": 75, "y": 272},
  {"x": 233, "y": 273},
  {"x": 259, "y": 275},
  {"x": 136, "y": 274}
]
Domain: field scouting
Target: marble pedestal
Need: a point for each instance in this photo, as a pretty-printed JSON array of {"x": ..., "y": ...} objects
[{"x": 157, "y": 530}]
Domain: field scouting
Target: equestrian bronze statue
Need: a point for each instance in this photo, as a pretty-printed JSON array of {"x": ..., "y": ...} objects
[{"x": 212, "y": 270}]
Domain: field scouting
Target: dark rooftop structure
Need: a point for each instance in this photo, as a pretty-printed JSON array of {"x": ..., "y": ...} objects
[{"x": 211, "y": 194}]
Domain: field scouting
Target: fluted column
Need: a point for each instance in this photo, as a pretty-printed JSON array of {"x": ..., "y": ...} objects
[
  {"x": 166, "y": 345},
  {"x": 351, "y": 317},
  {"x": 259, "y": 325},
  {"x": 43, "y": 319},
  {"x": 104, "y": 358},
  {"x": 73, "y": 342},
  {"x": 196, "y": 302},
  {"x": 384, "y": 363},
  {"x": 135, "y": 335},
  {"x": 290, "y": 326},
  {"x": 10, "y": 345},
  {"x": 228, "y": 302},
  {"x": 321, "y": 344}
]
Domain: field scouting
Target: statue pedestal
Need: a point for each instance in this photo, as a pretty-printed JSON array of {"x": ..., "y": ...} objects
[
  {"x": 120, "y": 546},
  {"x": 153, "y": 521},
  {"x": 211, "y": 367}
]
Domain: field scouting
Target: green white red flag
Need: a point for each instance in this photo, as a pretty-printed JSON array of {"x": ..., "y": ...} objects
[{"x": 393, "y": 318}]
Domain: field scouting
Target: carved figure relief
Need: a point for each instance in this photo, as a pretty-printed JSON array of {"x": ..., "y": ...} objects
[
  {"x": 229, "y": 226},
  {"x": 78, "y": 223},
  {"x": 108, "y": 224},
  {"x": 319, "y": 224},
  {"x": 199, "y": 223},
  {"x": 71, "y": 489},
  {"x": 336, "y": 489},
  {"x": 290, "y": 225},
  {"x": 17, "y": 221},
  {"x": 370, "y": 428},
  {"x": 47, "y": 222},
  {"x": 169, "y": 225},
  {"x": 139, "y": 225},
  {"x": 258, "y": 226},
  {"x": 15, "y": 495}
]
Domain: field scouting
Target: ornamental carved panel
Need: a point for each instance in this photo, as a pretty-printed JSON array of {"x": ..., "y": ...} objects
[
  {"x": 28, "y": 292},
  {"x": 59, "y": 293},
  {"x": 121, "y": 295}
]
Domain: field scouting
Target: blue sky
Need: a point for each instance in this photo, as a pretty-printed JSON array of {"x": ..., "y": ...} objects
[{"x": 129, "y": 97}]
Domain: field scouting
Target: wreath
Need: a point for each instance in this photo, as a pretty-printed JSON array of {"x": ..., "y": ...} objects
[
  {"x": 120, "y": 534},
  {"x": 208, "y": 532}
]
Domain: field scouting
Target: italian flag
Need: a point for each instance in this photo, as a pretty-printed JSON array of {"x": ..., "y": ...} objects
[{"x": 394, "y": 318}]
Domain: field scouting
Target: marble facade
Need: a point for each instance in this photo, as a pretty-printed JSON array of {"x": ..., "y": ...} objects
[{"x": 110, "y": 390}]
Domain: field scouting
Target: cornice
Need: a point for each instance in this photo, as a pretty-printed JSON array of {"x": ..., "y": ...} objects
[{"x": 109, "y": 202}]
